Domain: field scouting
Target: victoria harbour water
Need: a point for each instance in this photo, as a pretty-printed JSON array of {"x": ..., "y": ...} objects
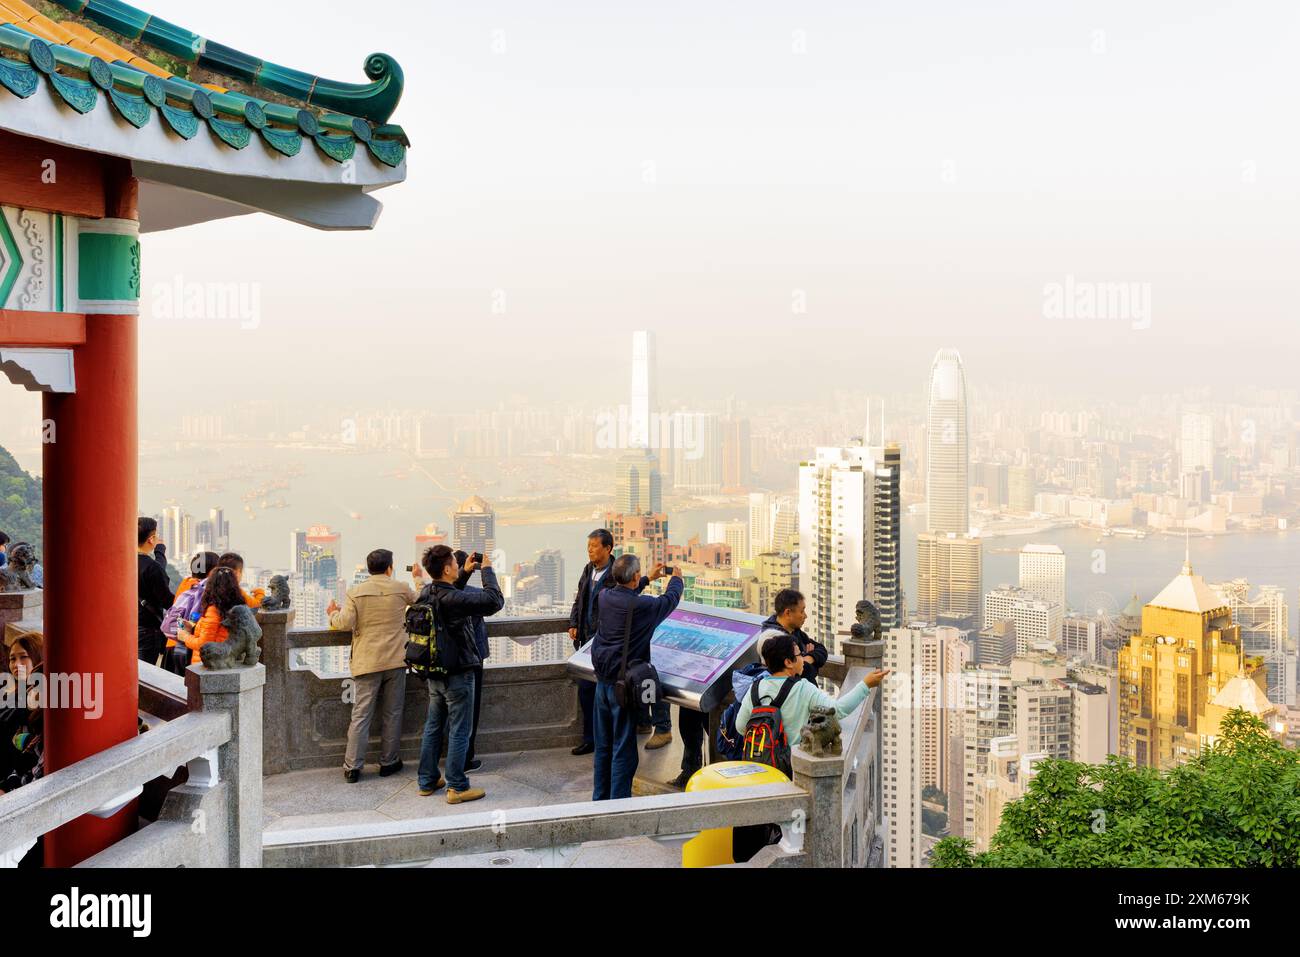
[{"x": 383, "y": 499}]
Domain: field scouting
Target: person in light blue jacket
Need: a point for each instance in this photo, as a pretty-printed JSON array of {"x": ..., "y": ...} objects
[{"x": 783, "y": 661}]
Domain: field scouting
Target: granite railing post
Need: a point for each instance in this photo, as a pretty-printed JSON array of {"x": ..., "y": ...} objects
[
  {"x": 854, "y": 652},
  {"x": 823, "y": 779},
  {"x": 275, "y": 658},
  {"x": 238, "y": 692}
]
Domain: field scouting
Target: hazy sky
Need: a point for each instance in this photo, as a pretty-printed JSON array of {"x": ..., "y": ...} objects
[{"x": 914, "y": 173}]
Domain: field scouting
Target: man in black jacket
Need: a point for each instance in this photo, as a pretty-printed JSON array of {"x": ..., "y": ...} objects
[
  {"x": 790, "y": 616},
  {"x": 152, "y": 591},
  {"x": 451, "y": 699},
  {"x": 481, "y": 646}
]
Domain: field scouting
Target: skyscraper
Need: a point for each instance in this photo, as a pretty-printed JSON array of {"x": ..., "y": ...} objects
[
  {"x": 297, "y": 549},
  {"x": 1037, "y": 622},
  {"x": 735, "y": 534},
  {"x": 474, "y": 526},
  {"x": 735, "y": 454},
  {"x": 760, "y": 522},
  {"x": 947, "y": 453},
  {"x": 1265, "y": 631},
  {"x": 1197, "y": 442},
  {"x": 643, "y": 411},
  {"x": 887, "y": 535},
  {"x": 949, "y": 577},
  {"x": 697, "y": 452},
  {"x": 1187, "y": 653},
  {"x": 785, "y": 522},
  {"x": 644, "y": 535},
  {"x": 1042, "y": 573},
  {"x": 848, "y": 539},
  {"x": 901, "y": 747},
  {"x": 638, "y": 472},
  {"x": 638, "y": 483},
  {"x": 549, "y": 566},
  {"x": 220, "y": 529},
  {"x": 316, "y": 559},
  {"x": 1021, "y": 487},
  {"x": 175, "y": 530}
]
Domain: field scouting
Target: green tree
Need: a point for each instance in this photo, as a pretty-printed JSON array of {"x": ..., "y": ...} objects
[
  {"x": 20, "y": 506},
  {"x": 1236, "y": 805},
  {"x": 933, "y": 794},
  {"x": 933, "y": 822}
]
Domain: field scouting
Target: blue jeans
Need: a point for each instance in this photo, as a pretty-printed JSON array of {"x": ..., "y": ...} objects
[
  {"x": 615, "y": 760},
  {"x": 661, "y": 719},
  {"x": 451, "y": 702},
  {"x": 587, "y": 700}
]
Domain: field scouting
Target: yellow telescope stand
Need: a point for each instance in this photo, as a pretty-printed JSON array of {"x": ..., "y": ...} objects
[{"x": 712, "y": 847}]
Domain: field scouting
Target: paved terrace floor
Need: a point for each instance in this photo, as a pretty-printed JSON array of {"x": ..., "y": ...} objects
[{"x": 520, "y": 779}]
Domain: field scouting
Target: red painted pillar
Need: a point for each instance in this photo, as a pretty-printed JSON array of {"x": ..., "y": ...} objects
[{"x": 90, "y": 492}]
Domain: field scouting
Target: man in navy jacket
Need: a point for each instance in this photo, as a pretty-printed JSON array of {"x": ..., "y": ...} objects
[
  {"x": 616, "y": 755},
  {"x": 481, "y": 644}
]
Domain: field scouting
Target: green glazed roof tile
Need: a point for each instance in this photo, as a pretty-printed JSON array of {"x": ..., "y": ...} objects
[
  {"x": 119, "y": 17},
  {"x": 335, "y": 117},
  {"x": 171, "y": 39}
]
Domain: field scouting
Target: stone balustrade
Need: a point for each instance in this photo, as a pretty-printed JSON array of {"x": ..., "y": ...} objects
[{"x": 213, "y": 819}]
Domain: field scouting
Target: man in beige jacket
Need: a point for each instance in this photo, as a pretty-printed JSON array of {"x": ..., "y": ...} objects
[{"x": 375, "y": 610}]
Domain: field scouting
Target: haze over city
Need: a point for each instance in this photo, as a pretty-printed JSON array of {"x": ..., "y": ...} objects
[{"x": 936, "y": 363}]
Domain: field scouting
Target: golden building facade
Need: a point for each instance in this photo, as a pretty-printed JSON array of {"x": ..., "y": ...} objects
[{"x": 1173, "y": 669}]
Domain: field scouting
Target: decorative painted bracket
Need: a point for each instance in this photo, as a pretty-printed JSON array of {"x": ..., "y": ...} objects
[{"x": 39, "y": 370}]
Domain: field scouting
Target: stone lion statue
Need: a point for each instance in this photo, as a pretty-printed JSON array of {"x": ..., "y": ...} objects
[
  {"x": 240, "y": 646},
  {"x": 16, "y": 575},
  {"x": 277, "y": 594},
  {"x": 820, "y": 737},
  {"x": 867, "y": 627}
]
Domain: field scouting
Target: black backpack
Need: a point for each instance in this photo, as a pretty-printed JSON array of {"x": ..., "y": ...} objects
[
  {"x": 431, "y": 650},
  {"x": 765, "y": 738}
]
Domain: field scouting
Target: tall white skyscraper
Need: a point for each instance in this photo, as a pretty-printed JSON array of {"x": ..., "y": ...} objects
[
  {"x": 1042, "y": 572},
  {"x": 901, "y": 747},
  {"x": 178, "y": 533},
  {"x": 760, "y": 522},
  {"x": 641, "y": 415},
  {"x": 1197, "y": 441},
  {"x": 785, "y": 522},
  {"x": 947, "y": 452},
  {"x": 841, "y": 558}
]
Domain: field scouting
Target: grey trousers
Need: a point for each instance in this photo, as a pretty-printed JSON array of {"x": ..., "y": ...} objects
[{"x": 390, "y": 686}]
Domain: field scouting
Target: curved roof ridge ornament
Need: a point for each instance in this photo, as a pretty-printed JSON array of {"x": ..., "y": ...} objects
[{"x": 375, "y": 101}]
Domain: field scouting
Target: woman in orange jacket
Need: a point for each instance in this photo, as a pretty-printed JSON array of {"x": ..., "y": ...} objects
[
  {"x": 235, "y": 561},
  {"x": 221, "y": 593}
]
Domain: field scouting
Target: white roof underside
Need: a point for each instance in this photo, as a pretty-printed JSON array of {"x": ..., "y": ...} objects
[{"x": 183, "y": 182}]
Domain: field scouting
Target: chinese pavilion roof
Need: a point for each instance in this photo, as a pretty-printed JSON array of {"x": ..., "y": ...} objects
[{"x": 149, "y": 70}]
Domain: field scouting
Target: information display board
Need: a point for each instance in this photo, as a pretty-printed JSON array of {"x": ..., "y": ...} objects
[{"x": 695, "y": 649}]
